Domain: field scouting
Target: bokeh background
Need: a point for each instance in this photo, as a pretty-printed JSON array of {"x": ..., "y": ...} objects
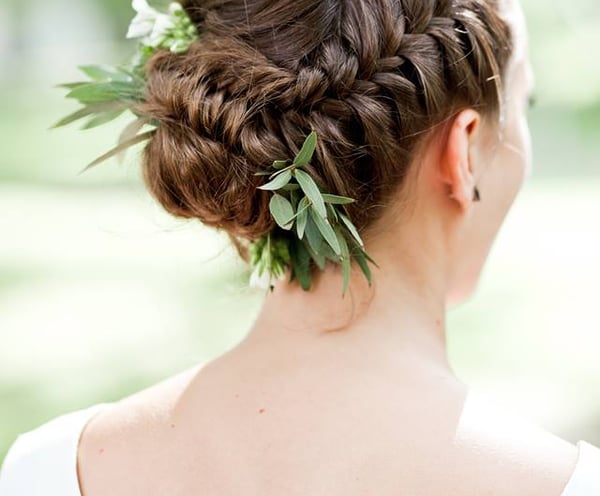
[{"x": 102, "y": 294}]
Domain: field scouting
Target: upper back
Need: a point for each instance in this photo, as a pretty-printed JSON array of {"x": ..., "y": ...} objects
[{"x": 231, "y": 428}]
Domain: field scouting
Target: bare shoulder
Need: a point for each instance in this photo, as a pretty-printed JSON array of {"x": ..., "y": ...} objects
[
  {"x": 427, "y": 437},
  {"x": 120, "y": 436},
  {"x": 504, "y": 453}
]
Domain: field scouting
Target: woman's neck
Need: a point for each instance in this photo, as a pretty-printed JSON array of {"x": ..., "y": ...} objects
[{"x": 402, "y": 312}]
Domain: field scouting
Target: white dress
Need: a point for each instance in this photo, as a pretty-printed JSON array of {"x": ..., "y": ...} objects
[{"x": 43, "y": 461}]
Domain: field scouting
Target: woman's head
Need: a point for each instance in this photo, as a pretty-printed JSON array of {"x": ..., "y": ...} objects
[{"x": 380, "y": 81}]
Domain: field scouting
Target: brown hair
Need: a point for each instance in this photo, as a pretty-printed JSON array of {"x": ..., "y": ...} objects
[{"x": 371, "y": 77}]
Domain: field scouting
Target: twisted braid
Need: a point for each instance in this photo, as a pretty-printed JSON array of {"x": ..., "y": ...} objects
[{"x": 370, "y": 77}]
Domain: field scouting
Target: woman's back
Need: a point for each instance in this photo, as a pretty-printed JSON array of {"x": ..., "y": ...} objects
[
  {"x": 418, "y": 106},
  {"x": 318, "y": 426}
]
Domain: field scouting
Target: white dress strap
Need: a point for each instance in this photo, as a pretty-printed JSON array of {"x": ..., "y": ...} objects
[
  {"x": 585, "y": 479},
  {"x": 43, "y": 461}
]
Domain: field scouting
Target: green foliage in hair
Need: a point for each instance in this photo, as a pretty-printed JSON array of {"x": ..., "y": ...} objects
[
  {"x": 317, "y": 225},
  {"x": 110, "y": 91}
]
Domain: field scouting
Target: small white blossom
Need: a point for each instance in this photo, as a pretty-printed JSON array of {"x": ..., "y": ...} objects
[
  {"x": 259, "y": 281},
  {"x": 143, "y": 23},
  {"x": 161, "y": 26},
  {"x": 151, "y": 24}
]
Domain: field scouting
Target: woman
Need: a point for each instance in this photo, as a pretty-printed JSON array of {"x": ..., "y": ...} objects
[{"x": 420, "y": 110}]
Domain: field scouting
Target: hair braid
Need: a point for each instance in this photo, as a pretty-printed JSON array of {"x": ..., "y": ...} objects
[{"x": 370, "y": 77}]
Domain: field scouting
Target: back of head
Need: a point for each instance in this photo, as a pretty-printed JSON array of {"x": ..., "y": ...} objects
[{"x": 371, "y": 77}]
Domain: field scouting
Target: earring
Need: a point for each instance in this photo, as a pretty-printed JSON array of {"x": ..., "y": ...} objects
[{"x": 476, "y": 195}]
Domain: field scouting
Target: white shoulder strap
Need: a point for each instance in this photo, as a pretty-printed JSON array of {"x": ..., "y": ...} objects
[
  {"x": 43, "y": 461},
  {"x": 585, "y": 479}
]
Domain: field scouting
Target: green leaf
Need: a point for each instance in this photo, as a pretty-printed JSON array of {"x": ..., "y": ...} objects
[
  {"x": 294, "y": 200},
  {"x": 104, "y": 73},
  {"x": 313, "y": 236},
  {"x": 301, "y": 265},
  {"x": 279, "y": 182},
  {"x": 89, "y": 110},
  {"x": 333, "y": 215},
  {"x": 319, "y": 258},
  {"x": 106, "y": 92},
  {"x": 306, "y": 152},
  {"x": 102, "y": 118},
  {"x": 302, "y": 216},
  {"x": 360, "y": 257},
  {"x": 291, "y": 187},
  {"x": 131, "y": 131},
  {"x": 263, "y": 173},
  {"x": 282, "y": 210},
  {"x": 299, "y": 212},
  {"x": 329, "y": 253},
  {"x": 75, "y": 116},
  {"x": 336, "y": 199},
  {"x": 280, "y": 164},
  {"x": 70, "y": 86},
  {"x": 345, "y": 261},
  {"x": 133, "y": 128},
  {"x": 123, "y": 146},
  {"x": 326, "y": 230},
  {"x": 351, "y": 228},
  {"x": 311, "y": 190}
]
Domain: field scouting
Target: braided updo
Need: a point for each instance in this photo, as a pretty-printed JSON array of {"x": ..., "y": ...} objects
[{"x": 369, "y": 76}]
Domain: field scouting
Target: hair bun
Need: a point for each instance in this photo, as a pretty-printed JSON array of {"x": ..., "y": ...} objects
[
  {"x": 202, "y": 160},
  {"x": 370, "y": 78}
]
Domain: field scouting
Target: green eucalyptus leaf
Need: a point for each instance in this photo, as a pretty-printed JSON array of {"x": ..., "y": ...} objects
[
  {"x": 302, "y": 216},
  {"x": 102, "y": 118},
  {"x": 345, "y": 260},
  {"x": 336, "y": 199},
  {"x": 131, "y": 131},
  {"x": 280, "y": 164},
  {"x": 75, "y": 116},
  {"x": 294, "y": 200},
  {"x": 133, "y": 128},
  {"x": 351, "y": 228},
  {"x": 104, "y": 73},
  {"x": 279, "y": 182},
  {"x": 313, "y": 236},
  {"x": 301, "y": 264},
  {"x": 291, "y": 187},
  {"x": 359, "y": 256},
  {"x": 326, "y": 230},
  {"x": 123, "y": 146},
  {"x": 333, "y": 215},
  {"x": 262, "y": 173},
  {"x": 281, "y": 171},
  {"x": 71, "y": 86},
  {"x": 105, "y": 92},
  {"x": 319, "y": 258},
  {"x": 306, "y": 152},
  {"x": 367, "y": 256},
  {"x": 96, "y": 108},
  {"x": 282, "y": 210},
  {"x": 311, "y": 190},
  {"x": 329, "y": 253},
  {"x": 298, "y": 213}
]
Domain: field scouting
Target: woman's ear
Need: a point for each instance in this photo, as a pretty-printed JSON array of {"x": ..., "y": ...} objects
[{"x": 458, "y": 156}]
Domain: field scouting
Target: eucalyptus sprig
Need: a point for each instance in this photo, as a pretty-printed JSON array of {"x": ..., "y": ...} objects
[
  {"x": 111, "y": 91},
  {"x": 318, "y": 225}
]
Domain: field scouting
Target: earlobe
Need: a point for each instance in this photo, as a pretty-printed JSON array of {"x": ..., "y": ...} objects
[{"x": 458, "y": 157}]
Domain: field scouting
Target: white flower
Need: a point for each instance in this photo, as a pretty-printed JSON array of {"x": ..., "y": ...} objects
[
  {"x": 151, "y": 24},
  {"x": 143, "y": 23},
  {"x": 259, "y": 281},
  {"x": 161, "y": 26}
]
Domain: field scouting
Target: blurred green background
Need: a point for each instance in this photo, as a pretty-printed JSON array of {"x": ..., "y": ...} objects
[{"x": 102, "y": 294}]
